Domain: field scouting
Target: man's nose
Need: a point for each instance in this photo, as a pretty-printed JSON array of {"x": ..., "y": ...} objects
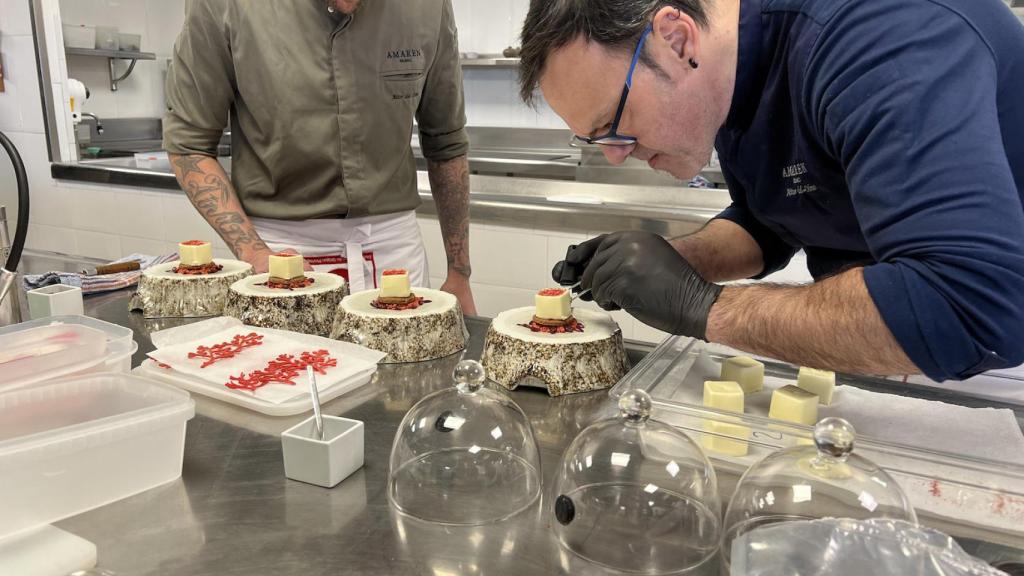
[{"x": 617, "y": 154}]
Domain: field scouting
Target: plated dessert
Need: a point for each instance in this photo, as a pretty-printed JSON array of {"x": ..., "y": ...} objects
[
  {"x": 551, "y": 344},
  {"x": 195, "y": 285},
  {"x": 408, "y": 326},
  {"x": 287, "y": 297}
]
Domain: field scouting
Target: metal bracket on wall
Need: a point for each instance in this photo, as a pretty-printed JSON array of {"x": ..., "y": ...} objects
[{"x": 115, "y": 79}]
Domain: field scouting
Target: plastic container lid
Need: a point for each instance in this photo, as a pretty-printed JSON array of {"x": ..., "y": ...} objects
[
  {"x": 114, "y": 332},
  {"x": 825, "y": 480},
  {"x": 48, "y": 351},
  {"x": 465, "y": 455},
  {"x": 636, "y": 495}
]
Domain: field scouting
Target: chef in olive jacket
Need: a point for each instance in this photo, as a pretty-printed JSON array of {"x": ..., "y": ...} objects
[{"x": 321, "y": 99}]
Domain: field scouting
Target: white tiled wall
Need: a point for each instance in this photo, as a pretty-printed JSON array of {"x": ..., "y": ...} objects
[{"x": 142, "y": 93}]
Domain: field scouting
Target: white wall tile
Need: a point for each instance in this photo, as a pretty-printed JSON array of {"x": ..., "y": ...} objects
[
  {"x": 504, "y": 258},
  {"x": 433, "y": 244},
  {"x": 491, "y": 300},
  {"x": 32, "y": 149},
  {"x": 20, "y": 103},
  {"x": 147, "y": 246},
  {"x": 141, "y": 214},
  {"x": 98, "y": 245},
  {"x": 94, "y": 208},
  {"x": 52, "y": 239},
  {"x": 51, "y": 206}
]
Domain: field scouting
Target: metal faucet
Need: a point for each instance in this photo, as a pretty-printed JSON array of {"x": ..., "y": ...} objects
[
  {"x": 10, "y": 305},
  {"x": 96, "y": 119}
]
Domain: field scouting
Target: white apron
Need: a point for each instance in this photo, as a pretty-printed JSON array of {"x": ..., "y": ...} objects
[{"x": 328, "y": 245}]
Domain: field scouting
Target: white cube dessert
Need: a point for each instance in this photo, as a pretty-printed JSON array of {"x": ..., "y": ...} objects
[
  {"x": 286, "y": 266},
  {"x": 724, "y": 395},
  {"x": 794, "y": 404},
  {"x": 553, "y": 304},
  {"x": 195, "y": 253},
  {"x": 394, "y": 283},
  {"x": 821, "y": 383},
  {"x": 745, "y": 371}
]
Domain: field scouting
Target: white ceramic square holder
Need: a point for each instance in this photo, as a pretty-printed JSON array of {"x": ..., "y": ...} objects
[
  {"x": 323, "y": 462},
  {"x": 55, "y": 300}
]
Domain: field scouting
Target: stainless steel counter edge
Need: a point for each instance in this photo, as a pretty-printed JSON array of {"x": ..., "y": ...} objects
[{"x": 523, "y": 202}]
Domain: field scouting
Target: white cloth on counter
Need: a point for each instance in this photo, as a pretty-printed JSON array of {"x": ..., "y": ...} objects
[
  {"x": 388, "y": 241},
  {"x": 174, "y": 345}
]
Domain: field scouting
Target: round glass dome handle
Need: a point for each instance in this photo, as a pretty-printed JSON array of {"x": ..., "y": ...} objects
[
  {"x": 635, "y": 406},
  {"x": 469, "y": 376},
  {"x": 834, "y": 438}
]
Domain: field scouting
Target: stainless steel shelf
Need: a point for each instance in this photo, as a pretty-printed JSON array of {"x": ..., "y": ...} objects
[
  {"x": 119, "y": 54},
  {"x": 113, "y": 56},
  {"x": 489, "y": 62}
]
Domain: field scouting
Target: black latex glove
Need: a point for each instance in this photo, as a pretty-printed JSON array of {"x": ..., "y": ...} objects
[{"x": 643, "y": 274}]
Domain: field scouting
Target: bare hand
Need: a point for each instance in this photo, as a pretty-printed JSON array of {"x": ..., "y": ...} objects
[{"x": 458, "y": 285}]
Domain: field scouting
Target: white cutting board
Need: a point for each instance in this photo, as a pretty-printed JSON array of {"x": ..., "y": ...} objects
[{"x": 47, "y": 551}]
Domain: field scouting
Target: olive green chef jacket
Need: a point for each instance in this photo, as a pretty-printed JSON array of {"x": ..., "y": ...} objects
[{"x": 321, "y": 105}]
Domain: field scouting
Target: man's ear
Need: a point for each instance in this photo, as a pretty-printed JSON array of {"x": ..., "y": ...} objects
[{"x": 675, "y": 40}]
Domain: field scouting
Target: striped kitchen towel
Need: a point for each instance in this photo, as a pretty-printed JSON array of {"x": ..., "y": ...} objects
[{"x": 104, "y": 283}]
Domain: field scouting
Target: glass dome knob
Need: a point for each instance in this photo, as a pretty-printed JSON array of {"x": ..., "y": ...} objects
[
  {"x": 356, "y": 337},
  {"x": 469, "y": 376},
  {"x": 635, "y": 406},
  {"x": 834, "y": 437}
]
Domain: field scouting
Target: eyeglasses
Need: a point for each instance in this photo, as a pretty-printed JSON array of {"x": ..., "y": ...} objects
[{"x": 612, "y": 137}]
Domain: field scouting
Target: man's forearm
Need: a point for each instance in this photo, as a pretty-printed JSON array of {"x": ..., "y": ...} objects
[
  {"x": 721, "y": 251},
  {"x": 449, "y": 184},
  {"x": 832, "y": 324},
  {"x": 210, "y": 191}
]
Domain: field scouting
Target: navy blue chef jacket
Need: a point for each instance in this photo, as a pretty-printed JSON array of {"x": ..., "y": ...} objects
[{"x": 890, "y": 134}]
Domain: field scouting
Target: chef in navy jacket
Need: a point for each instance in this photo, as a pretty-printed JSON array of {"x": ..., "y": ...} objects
[{"x": 884, "y": 138}]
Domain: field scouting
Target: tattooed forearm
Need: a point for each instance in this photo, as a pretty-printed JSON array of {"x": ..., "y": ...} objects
[
  {"x": 208, "y": 188},
  {"x": 449, "y": 183}
]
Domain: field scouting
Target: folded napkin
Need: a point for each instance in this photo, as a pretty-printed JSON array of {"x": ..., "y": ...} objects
[{"x": 104, "y": 283}]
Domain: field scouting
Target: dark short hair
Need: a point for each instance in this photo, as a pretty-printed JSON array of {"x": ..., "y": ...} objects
[{"x": 617, "y": 24}]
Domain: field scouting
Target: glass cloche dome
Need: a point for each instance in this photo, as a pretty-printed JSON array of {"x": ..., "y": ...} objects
[
  {"x": 465, "y": 455},
  {"x": 636, "y": 495},
  {"x": 825, "y": 480}
]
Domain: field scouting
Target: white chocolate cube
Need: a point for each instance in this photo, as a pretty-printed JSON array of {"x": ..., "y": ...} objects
[
  {"x": 286, "y": 266},
  {"x": 745, "y": 371},
  {"x": 821, "y": 383},
  {"x": 715, "y": 441},
  {"x": 794, "y": 404},
  {"x": 724, "y": 395},
  {"x": 553, "y": 304},
  {"x": 195, "y": 253},
  {"x": 395, "y": 284}
]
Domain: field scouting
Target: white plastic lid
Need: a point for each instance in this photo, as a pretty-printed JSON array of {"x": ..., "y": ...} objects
[
  {"x": 48, "y": 351},
  {"x": 114, "y": 332}
]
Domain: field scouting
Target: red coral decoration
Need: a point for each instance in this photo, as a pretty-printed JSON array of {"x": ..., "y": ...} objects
[
  {"x": 226, "y": 350},
  {"x": 283, "y": 370},
  {"x": 574, "y": 326},
  {"x": 411, "y": 305}
]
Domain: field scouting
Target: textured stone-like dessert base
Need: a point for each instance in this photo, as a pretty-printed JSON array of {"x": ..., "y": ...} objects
[
  {"x": 432, "y": 331},
  {"x": 565, "y": 363},
  {"x": 305, "y": 310},
  {"x": 162, "y": 294}
]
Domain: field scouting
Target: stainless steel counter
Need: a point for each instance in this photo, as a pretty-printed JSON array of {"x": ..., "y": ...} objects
[{"x": 234, "y": 512}]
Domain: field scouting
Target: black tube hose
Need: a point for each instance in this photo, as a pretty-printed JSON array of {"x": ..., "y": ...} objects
[{"x": 21, "y": 228}]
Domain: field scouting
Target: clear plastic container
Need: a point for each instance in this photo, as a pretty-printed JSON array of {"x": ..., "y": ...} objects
[
  {"x": 120, "y": 346},
  {"x": 49, "y": 350},
  {"x": 959, "y": 494},
  {"x": 74, "y": 445}
]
